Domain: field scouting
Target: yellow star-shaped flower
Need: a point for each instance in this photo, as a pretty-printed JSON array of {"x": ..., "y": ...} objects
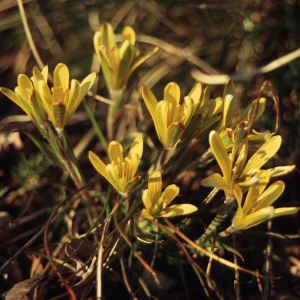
[
  {"x": 120, "y": 172},
  {"x": 157, "y": 202}
]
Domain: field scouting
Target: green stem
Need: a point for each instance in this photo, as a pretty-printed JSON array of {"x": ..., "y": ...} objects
[
  {"x": 71, "y": 166},
  {"x": 211, "y": 230},
  {"x": 116, "y": 96},
  {"x": 95, "y": 125}
]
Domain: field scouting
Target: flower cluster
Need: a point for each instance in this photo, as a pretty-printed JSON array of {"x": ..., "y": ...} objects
[
  {"x": 118, "y": 63},
  {"x": 174, "y": 121},
  {"x": 241, "y": 176},
  {"x": 40, "y": 103}
]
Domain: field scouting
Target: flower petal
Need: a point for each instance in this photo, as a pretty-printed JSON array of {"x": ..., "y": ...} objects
[
  {"x": 115, "y": 152},
  {"x": 20, "y": 101},
  {"x": 271, "y": 194},
  {"x": 128, "y": 34},
  {"x": 172, "y": 93},
  {"x": 220, "y": 154},
  {"x": 108, "y": 36},
  {"x": 215, "y": 180},
  {"x": 262, "y": 155},
  {"x": 61, "y": 76},
  {"x": 140, "y": 60},
  {"x": 254, "y": 219},
  {"x": 196, "y": 93},
  {"x": 145, "y": 214},
  {"x": 162, "y": 111},
  {"x": 151, "y": 104},
  {"x": 177, "y": 210},
  {"x": 170, "y": 193},
  {"x": 73, "y": 102},
  {"x": 113, "y": 178},
  {"x": 147, "y": 200},
  {"x": 283, "y": 211},
  {"x": 154, "y": 187},
  {"x": 280, "y": 171},
  {"x": 136, "y": 147},
  {"x": 98, "y": 165}
]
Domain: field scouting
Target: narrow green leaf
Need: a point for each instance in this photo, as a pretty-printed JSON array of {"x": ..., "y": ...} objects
[{"x": 48, "y": 151}]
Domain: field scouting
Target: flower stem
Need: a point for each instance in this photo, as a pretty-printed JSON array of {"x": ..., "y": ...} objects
[{"x": 211, "y": 230}]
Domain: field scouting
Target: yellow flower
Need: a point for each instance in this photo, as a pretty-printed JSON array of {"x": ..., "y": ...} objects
[
  {"x": 233, "y": 165},
  {"x": 118, "y": 63},
  {"x": 257, "y": 206},
  {"x": 171, "y": 118},
  {"x": 59, "y": 104},
  {"x": 120, "y": 173},
  {"x": 156, "y": 202},
  {"x": 27, "y": 99}
]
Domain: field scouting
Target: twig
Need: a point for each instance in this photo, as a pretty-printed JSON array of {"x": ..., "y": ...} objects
[
  {"x": 29, "y": 36},
  {"x": 209, "y": 254},
  {"x": 223, "y": 78},
  {"x": 39, "y": 234},
  {"x": 48, "y": 252}
]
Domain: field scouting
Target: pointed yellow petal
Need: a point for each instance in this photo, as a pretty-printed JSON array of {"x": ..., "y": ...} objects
[
  {"x": 115, "y": 153},
  {"x": 229, "y": 88},
  {"x": 18, "y": 100},
  {"x": 126, "y": 54},
  {"x": 45, "y": 95},
  {"x": 172, "y": 93},
  {"x": 97, "y": 42},
  {"x": 86, "y": 84},
  {"x": 98, "y": 165},
  {"x": 238, "y": 194},
  {"x": 188, "y": 109},
  {"x": 73, "y": 102},
  {"x": 140, "y": 60},
  {"x": 195, "y": 93},
  {"x": 280, "y": 171},
  {"x": 255, "y": 218},
  {"x": 108, "y": 36},
  {"x": 136, "y": 147},
  {"x": 215, "y": 180},
  {"x": 220, "y": 154},
  {"x": 24, "y": 83},
  {"x": 145, "y": 214},
  {"x": 151, "y": 104},
  {"x": 255, "y": 191},
  {"x": 177, "y": 210},
  {"x": 128, "y": 34},
  {"x": 170, "y": 193},
  {"x": 284, "y": 211},
  {"x": 262, "y": 155},
  {"x": 113, "y": 178},
  {"x": 77, "y": 93},
  {"x": 61, "y": 76},
  {"x": 227, "y": 112},
  {"x": 271, "y": 194},
  {"x": 154, "y": 187},
  {"x": 162, "y": 111},
  {"x": 45, "y": 73},
  {"x": 106, "y": 67},
  {"x": 146, "y": 199}
]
